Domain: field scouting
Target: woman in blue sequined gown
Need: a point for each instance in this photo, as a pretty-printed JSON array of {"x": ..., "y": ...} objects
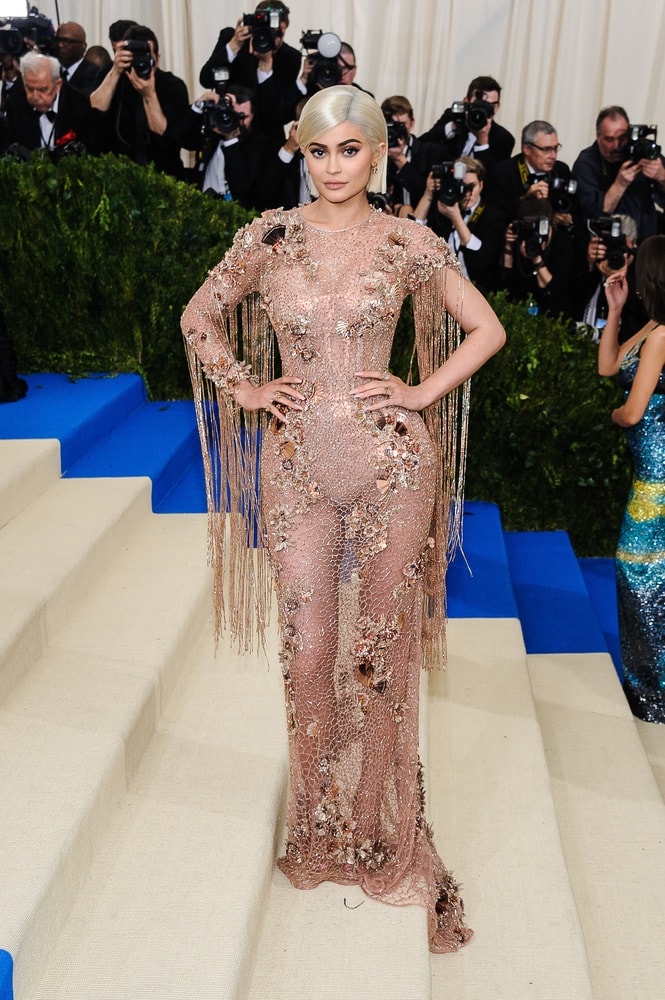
[{"x": 640, "y": 560}]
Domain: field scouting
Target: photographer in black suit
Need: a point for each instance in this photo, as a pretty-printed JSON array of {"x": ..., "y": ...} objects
[
  {"x": 46, "y": 113},
  {"x": 256, "y": 56},
  {"x": 454, "y": 207},
  {"x": 469, "y": 127},
  {"x": 70, "y": 47},
  {"x": 536, "y": 170},
  {"x": 409, "y": 159},
  {"x": 139, "y": 102},
  {"x": 231, "y": 155}
]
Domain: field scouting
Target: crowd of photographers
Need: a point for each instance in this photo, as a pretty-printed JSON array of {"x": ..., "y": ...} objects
[{"x": 524, "y": 221}]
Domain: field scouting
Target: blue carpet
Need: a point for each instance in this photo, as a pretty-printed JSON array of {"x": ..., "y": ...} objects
[
  {"x": 554, "y": 605},
  {"x": 6, "y": 975},
  {"x": 478, "y": 581},
  {"x": 600, "y": 580},
  {"x": 79, "y": 413}
]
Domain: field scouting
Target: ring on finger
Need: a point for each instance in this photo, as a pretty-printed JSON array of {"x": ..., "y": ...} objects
[{"x": 386, "y": 376}]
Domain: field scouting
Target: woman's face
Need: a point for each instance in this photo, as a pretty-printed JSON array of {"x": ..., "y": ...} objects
[{"x": 340, "y": 162}]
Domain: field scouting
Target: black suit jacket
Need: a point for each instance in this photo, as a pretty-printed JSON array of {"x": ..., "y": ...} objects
[
  {"x": 74, "y": 116},
  {"x": 510, "y": 182},
  {"x": 500, "y": 144},
  {"x": 125, "y": 129},
  {"x": 488, "y": 223},
  {"x": 413, "y": 175},
  {"x": 86, "y": 78}
]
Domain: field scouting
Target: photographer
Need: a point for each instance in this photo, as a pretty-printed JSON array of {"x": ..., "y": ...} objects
[
  {"x": 613, "y": 179},
  {"x": 537, "y": 171},
  {"x": 454, "y": 208},
  {"x": 256, "y": 56},
  {"x": 232, "y": 156},
  {"x": 46, "y": 113},
  {"x": 409, "y": 159},
  {"x": 538, "y": 259},
  {"x": 608, "y": 251},
  {"x": 139, "y": 102},
  {"x": 469, "y": 127}
]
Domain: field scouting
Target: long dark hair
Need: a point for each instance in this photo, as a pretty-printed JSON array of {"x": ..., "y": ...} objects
[{"x": 650, "y": 276}]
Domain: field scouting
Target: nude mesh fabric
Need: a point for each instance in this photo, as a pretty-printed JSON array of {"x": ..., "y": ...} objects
[{"x": 358, "y": 512}]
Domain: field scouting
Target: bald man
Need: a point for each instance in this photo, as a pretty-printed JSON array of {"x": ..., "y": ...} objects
[{"x": 70, "y": 46}]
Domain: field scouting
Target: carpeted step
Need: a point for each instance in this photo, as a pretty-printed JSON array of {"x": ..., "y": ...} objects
[
  {"x": 188, "y": 494},
  {"x": 612, "y": 820},
  {"x": 495, "y": 825},
  {"x": 76, "y": 726},
  {"x": 159, "y": 440},
  {"x": 178, "y": 890},
  {"x": 27, "y": 468},
  {"x": 600, "y": 581},
  {"x": 554, "y": 606},
  {"x": 478, "y": 581},
  {"x": 78, "y": 412},
  {"x": 51, "y": 552}
]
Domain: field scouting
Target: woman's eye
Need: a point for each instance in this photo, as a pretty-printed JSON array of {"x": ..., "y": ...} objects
[{"x": 350, "y": 150}]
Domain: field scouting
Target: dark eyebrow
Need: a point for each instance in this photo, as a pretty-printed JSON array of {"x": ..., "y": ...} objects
[{"x": 346, "y": 142}]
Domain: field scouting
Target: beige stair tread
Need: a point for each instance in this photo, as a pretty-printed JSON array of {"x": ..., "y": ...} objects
[
  {"x": 333, "y": 942},
  {"x": 496, "y": 828},
  {"x": 51, "y": 553},
  {"x": 27, "y": 468},
  {"x": 59, "y": 785},
  {"x": 612, "y": 821},
  {"x": 174, "y": 896},
  {"x": 176, "y": 893},
  {"x": 653, "y": 741}
]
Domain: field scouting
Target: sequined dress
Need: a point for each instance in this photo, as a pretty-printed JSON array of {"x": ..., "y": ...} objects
[
  {"x": 640, "y": 560},
  {"x": 355, "y": 512}
]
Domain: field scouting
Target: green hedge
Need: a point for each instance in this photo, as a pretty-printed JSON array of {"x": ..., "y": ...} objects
[
  {"x": 541, "y": 442},
  {"x": 99, "y": 257}
]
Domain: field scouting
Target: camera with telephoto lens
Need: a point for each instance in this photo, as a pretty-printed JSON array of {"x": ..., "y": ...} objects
[
  {"x": 220, "y": 116},
  {"x": 451, "y": 176},
  {"x": 642, "y": 143},
  {"x": 561, "y": 194},
  {"x": 36, "y": 27},
  {"x": 323, "y": 49},
  {"x": 608, "y": 230},
  {"x": 142, "y": 59},
  {"x": 533, "y": 230},
  {"x": 264, "y": 25}
]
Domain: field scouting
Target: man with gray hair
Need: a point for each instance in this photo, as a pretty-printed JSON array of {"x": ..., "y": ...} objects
[
  {"x": 536, "y": 170},
  {"x": 46, "y": 113}
]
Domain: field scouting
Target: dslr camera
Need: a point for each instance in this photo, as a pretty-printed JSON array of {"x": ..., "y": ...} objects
[
  {"x": 534, "y": 231},
  {"x": 642, "y": 143},
  {"x": 264, "y": 25},
  {"x": 220, "y": 116},
  {"x": 142, "y": 60},
  {"x": 472, "y": 115},
  {"x": 397, "y": 132},
  {"x": 451, "y": 182},
  {"x": 561, "y": 194},
  {"x": 608, "y": 230},
  {"x": 322, "y": 48}
]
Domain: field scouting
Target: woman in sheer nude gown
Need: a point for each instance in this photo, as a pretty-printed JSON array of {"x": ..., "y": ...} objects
[{"x": 359, "y": 498}]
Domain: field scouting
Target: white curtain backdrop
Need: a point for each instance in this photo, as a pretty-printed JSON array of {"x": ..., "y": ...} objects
[{"x": 561, "y": 60}]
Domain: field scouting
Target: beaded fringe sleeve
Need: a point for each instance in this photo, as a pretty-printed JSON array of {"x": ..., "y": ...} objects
[{"x": 230, "y": 438}]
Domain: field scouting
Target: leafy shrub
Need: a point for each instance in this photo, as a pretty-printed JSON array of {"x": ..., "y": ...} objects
[
  {"x": 99, "y": 258},
  {"x": 541, "y": 442}
]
